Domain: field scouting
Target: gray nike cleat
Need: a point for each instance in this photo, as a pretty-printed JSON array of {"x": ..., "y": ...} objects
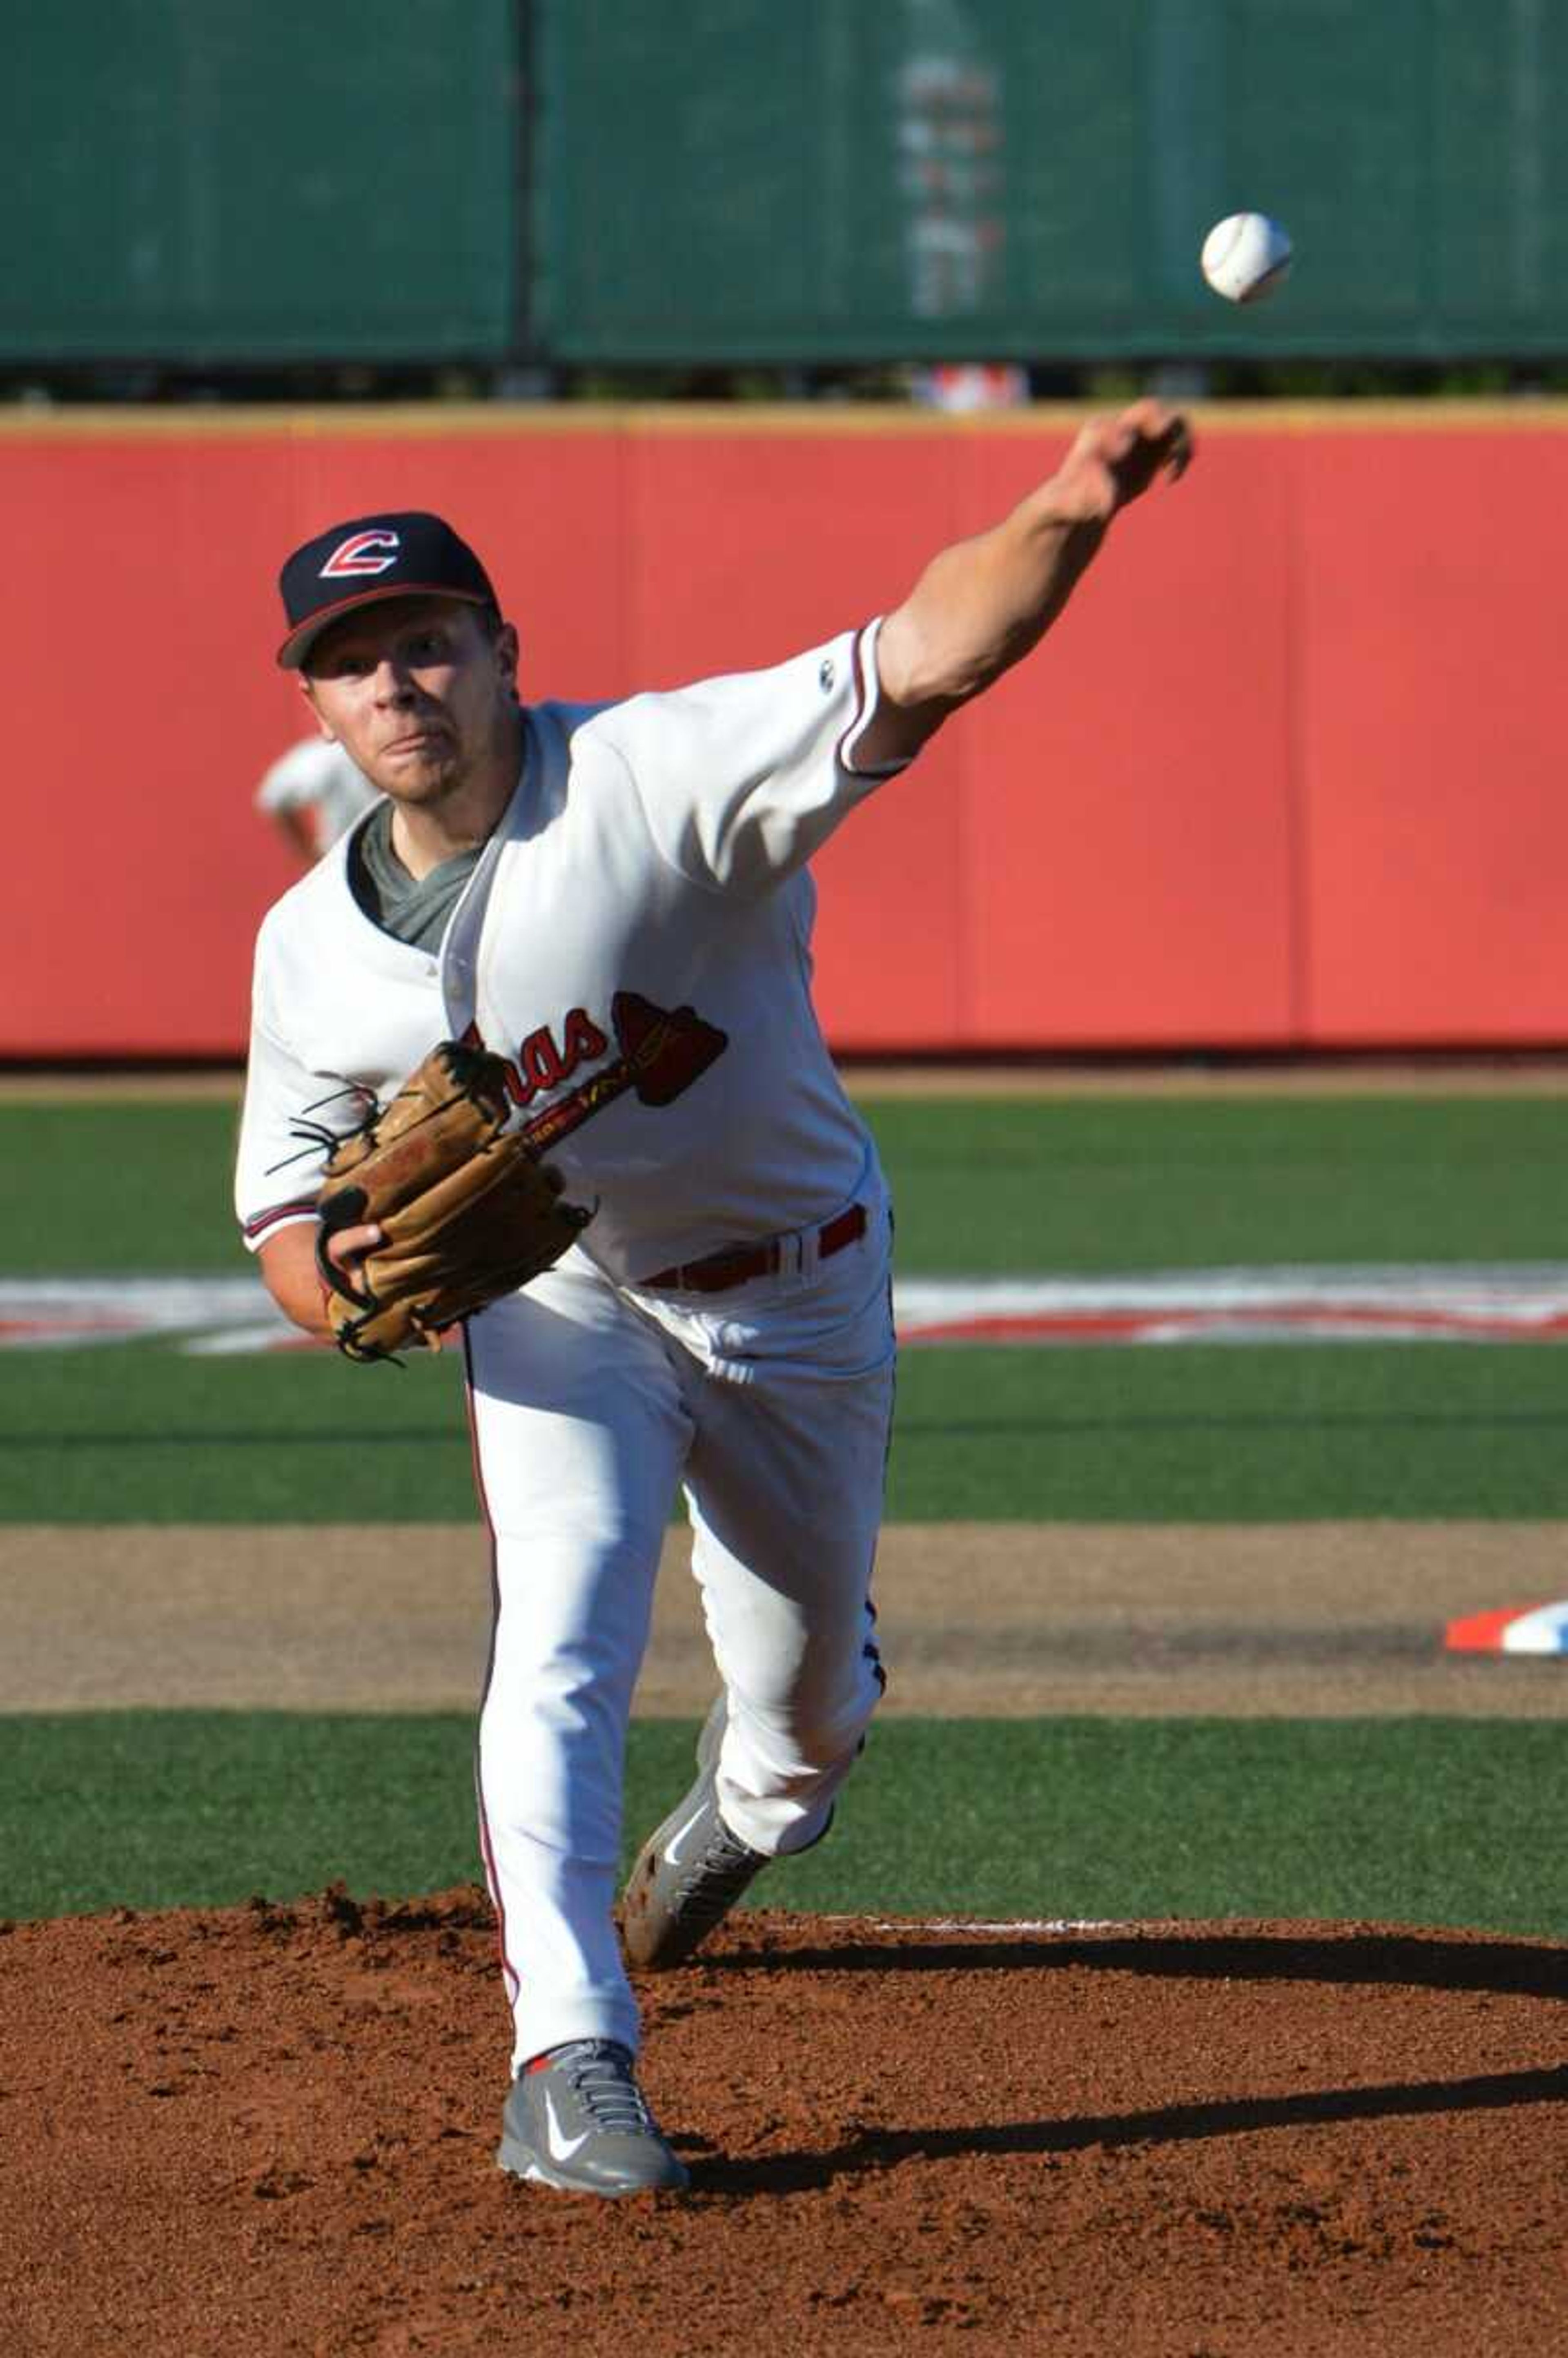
[
  {"x": 576, "y": 2119},
  {"x": 689, "y": 1871}
]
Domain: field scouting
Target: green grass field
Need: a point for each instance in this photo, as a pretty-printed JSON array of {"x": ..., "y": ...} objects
[
  {"x": 1227, "y": 1434},
  {"x": 1223, "y": 1433},
  {"x": 1425, "y": 1821},
  {"x": 1406, "y": 1821},
  {"x": 981, "y": 1185}
]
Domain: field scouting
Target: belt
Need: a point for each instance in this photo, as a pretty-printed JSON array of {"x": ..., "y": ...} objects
[{"x": 717, "y": 1273}]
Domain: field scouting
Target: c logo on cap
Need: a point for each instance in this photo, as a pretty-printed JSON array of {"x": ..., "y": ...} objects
[{"x": 356, "y": 554}]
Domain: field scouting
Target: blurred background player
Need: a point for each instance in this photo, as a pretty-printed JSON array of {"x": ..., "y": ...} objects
[{"x": 313, "y": 793}]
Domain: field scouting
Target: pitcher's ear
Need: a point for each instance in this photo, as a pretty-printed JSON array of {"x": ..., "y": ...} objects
[{"x": 307, "y": 690}]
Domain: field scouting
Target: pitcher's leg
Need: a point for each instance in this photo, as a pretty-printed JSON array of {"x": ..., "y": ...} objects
[
  {"x": 784, "y": 1484},
  {"x": 579, "y": 1433}
]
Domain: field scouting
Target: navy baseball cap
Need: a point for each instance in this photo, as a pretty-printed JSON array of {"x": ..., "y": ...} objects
[{"x": 409, "y": 554}]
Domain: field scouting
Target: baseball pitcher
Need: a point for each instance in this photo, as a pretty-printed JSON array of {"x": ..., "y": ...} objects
[{"x": 533, "y": 1069}]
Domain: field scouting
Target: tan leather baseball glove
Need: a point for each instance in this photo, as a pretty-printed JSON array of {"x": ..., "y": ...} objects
[{"x": 467, "y": 1212}]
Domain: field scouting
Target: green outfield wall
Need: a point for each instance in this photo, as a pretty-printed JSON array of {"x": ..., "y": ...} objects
[
  {"x": 613, "y": 181},
  {"x": 1015, "y": 178},
  {"x": 220, "y": 183}
]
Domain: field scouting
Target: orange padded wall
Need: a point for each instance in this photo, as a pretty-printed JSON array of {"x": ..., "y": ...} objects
[{"x": 1287, "y": 776}]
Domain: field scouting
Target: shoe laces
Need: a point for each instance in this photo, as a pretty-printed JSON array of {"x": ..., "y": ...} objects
[
  {"x": 718, "y": 1874},
  {"x": 598, "y": 2071}
]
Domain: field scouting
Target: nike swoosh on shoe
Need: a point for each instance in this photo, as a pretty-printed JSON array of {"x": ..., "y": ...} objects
[
  {"x": 561, "y": 2147},
  {"x": 673, "y": 1852}
]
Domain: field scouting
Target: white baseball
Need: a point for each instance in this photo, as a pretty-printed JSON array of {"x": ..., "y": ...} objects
[{"x": 1245, "y": 256}]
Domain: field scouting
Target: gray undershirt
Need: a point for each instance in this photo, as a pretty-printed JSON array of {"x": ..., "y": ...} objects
[{"x": 413, "y": 909}]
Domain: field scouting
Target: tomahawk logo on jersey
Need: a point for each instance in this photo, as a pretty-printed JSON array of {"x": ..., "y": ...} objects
[{"x": 662, "y": 1051}]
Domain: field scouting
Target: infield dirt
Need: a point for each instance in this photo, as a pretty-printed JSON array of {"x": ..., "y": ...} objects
[
  {"x": 1304, "y": 1619},
  {"x": 272, "y": 2129}
]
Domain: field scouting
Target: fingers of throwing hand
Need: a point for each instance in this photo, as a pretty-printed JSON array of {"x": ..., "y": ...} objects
[
  {"x": 1178, "y": 449},
  {"x": 1156, "y": 441}
]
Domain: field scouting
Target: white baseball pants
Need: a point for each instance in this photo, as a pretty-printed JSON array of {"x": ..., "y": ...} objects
[{"x": 770, "y": 1406}]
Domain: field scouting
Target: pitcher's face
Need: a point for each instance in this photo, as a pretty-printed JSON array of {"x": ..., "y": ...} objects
[{"x": 419, "y": 692}]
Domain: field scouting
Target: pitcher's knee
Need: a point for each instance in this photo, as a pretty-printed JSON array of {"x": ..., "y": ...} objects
[
  {"x": 810, "y": 1734},
  {"x": 839, "y": 1718}
]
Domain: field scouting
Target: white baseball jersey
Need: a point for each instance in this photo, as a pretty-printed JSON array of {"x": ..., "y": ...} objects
[{"x": 635, "y": 941}]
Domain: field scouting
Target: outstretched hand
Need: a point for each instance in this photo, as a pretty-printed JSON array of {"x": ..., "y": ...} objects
[
  {"x": 982, "y": 604},
  {"x": 1115, "y": 459}
]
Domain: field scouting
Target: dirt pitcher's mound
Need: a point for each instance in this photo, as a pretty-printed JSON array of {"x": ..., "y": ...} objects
[{"x": 271, "y": 2129}]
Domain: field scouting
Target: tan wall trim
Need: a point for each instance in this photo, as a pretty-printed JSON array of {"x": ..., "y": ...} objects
[{"x": 695, "y": 420}]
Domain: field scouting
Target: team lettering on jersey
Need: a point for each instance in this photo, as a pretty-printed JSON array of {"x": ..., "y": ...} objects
[
  {"x": 540, "y": 1064},
  {"x": 662, "y": 1051}
]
